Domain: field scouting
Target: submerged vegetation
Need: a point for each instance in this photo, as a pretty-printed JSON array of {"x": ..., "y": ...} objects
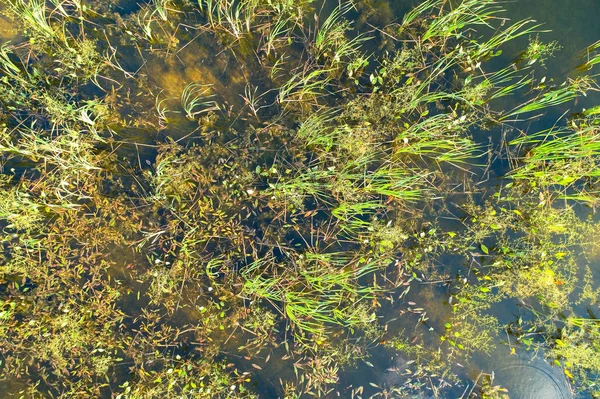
[{"x": 240, "y": 199}]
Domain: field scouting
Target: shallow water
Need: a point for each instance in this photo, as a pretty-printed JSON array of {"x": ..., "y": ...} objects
[
  {"x": 529, "y": 377},
  {"x": 525, "y": 375},
  {"x": 573, "y": 23}
]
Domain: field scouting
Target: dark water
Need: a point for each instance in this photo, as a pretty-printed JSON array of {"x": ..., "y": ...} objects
[
  {"x": 525, "y": 375},
  {"x": 574, "y": 25}
]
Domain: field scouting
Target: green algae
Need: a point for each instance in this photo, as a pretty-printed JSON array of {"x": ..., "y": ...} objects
[{"x": 253, "y": 199}]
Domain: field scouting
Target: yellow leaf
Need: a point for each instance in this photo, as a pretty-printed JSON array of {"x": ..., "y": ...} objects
[{"x": 568, "y": 374}]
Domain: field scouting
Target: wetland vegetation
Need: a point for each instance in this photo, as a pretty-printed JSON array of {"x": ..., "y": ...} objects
[{"x": 292, "y": 199}]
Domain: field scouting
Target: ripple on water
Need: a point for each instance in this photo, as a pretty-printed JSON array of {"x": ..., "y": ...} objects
[{"x": 532, "y": 379}]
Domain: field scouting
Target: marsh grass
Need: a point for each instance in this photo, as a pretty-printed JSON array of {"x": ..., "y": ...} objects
[
  {"x": 562, "y": 160},
  {"x": 196, "y": 99},
  {"x": 591, "y": 57},
  {"x": 324, "y": 291},
  {"x": 35, "y": 14},
  {"x": 288, "y": 224}
]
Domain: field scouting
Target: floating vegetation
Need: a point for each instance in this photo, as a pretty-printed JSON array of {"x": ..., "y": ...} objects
[{"x": 254, "y": 199}]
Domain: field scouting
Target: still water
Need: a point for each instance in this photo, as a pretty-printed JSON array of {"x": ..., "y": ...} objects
[{"x": 526, "y": 375}]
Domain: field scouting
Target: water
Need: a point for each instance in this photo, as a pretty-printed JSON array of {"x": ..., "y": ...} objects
[
  {"x": 530, "y": 378},
  {"x": 426, "y": 308},
  {"x": 525, "y": 375}
]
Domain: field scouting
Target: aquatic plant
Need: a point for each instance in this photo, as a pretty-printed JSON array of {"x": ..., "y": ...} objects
[
  {"x": 295, "y": 200},
  {"x": 196, "y": 96}
]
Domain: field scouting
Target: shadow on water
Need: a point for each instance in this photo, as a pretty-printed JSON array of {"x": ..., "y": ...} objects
[{"x": 526, "y": 375}]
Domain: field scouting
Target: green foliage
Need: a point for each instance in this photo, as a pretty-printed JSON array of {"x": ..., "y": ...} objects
[
  {"x": 290, "y": 207},
  {"x": 186, "y": 379}
]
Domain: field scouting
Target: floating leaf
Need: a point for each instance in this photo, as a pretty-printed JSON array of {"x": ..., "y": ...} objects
[{"x": 484, "y": 249}]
